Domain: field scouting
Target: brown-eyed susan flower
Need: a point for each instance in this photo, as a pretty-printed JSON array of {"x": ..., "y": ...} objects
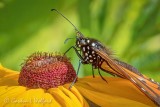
[
  {"x": 44, "y": 81},
  {"x": 40, "y": 83}
]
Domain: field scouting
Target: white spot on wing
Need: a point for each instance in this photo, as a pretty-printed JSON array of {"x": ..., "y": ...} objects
[
  {"x": 133, "y": 80},
  {"x": 141, "y": 79},
  {"x": 88, "y": 40},
  {"x": 143, "y": 89}
]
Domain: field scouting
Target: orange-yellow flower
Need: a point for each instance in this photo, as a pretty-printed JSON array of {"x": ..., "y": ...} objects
[
  {"x": 86, "y": 92},
  {"x": 40, "y": 83}
]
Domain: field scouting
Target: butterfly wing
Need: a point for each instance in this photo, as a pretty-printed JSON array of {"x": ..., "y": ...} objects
[{"x": 144, "y": 84}]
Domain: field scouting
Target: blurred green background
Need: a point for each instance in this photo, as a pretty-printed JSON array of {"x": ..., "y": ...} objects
[{"x": 131, "y": 28}]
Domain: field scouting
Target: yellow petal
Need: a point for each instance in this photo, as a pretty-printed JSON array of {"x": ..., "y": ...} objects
[
  {"x": 72, "y": 97},
  {"x": 10, "y": 93},
  {"x": 61, "y": 97},
  {"x": 9, "y": 80},
  {"x": 118, "y": 92},
  {"x": 65, "y": 97},
  {"x": 31, "y": 98},
  {"x": 2, "y": 71},
  {"x": 50, "y": 101},
  {"x": 5, "y": 71},
  {"x": 8, "y": 77},
  {"x": 78, "y": 95},
  {"x": 3, "y": 89}
]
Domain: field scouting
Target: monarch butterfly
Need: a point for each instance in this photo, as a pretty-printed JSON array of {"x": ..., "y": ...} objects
[{"x": 94, "y": 53}]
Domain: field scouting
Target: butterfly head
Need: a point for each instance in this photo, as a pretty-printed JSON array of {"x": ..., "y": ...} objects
[{"x": 82, "y": 41}]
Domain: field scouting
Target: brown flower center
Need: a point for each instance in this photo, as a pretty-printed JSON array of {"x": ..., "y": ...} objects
[{"x": 44, "y": 70}]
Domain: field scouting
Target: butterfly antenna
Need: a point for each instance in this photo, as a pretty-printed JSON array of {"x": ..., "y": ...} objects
[{"x": 79, "y": 33}]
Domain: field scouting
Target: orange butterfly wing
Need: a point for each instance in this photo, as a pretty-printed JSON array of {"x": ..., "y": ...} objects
[{"x": 144, "y": 84}]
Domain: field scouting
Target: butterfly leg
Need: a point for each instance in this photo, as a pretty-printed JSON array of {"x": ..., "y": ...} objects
[
  {"x": 93, "y": 72},
  {"x": 75, "y": 49},
  {"x": 76, "y": 75},
  {"x": 97, "y": 65},
  {"x": 102, "y": 76}
]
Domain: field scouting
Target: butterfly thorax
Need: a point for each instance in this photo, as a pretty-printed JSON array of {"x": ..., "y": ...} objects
[{"x": 89, "y": 55}]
